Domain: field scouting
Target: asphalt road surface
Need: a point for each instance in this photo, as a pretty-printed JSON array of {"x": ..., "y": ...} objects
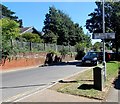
[{"x": 19, "y": 83}]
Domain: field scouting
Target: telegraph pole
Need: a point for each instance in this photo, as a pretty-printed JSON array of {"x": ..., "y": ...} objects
[{"x": 104, "y": 62}]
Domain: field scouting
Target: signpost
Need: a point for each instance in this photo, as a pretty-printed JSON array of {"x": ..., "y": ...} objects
[
  {"x": 104, "y": 62},
  {"x": 103, "y": 36}
]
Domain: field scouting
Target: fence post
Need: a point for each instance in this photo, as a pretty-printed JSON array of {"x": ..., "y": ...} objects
[
  {"x": 44, "y": 46},
  {"x": 69, "y": 48},
  {"x": 30, "y": 46}
]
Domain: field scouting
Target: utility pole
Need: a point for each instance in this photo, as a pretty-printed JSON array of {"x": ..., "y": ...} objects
[{"x": 104, "y": 62}]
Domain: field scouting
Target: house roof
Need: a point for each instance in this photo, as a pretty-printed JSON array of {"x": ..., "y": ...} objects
[
  {"x": 27, "y": 29},
  {"x": 24, "y": 29}
]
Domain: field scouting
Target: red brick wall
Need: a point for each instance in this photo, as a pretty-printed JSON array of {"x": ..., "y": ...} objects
[{"x": 28, "y": 60}]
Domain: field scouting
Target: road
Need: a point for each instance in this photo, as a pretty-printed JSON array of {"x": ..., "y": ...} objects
[{"x": 20, "y": 83}]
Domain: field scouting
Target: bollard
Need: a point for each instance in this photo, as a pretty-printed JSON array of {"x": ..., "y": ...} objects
[{"x": 98, "y": 76}]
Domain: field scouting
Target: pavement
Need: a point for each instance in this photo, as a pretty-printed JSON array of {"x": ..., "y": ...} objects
[
  {"x": 52, "y": 96},
  {"x": 114, "y": 93},
  {"x": 48, "y": 95}
]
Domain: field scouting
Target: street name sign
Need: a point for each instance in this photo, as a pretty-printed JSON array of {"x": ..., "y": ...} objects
[{"x": 103, "y": 36}]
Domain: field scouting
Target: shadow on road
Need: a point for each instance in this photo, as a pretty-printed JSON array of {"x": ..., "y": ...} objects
[
  {"x": 116, "y": 82},
  {"x": 76, "y": 63},
  {"x": 63, "y": 63},
  {"x": 61, "y": 81},
  {"x": 11, "y": 87}
]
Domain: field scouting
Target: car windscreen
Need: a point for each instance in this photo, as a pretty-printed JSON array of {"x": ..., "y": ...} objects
[{"x": 91, "y": 54}]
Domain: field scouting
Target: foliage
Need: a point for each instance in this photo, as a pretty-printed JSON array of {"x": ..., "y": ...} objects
[
  {"x": 87, "y": 41},
  {"x": 112, "y": 20},
  {"x": 9, "y": 14},
  {"x": 65, "y": 30},
  {"x": 80, "y": 54},
  {"x": 52, "y": 51},
  {"x": 108, "y": 46},
  {"x": 50, "y": 37},
  {"x": 63, "y": 51},
  {"x": 80, "y": 46},
  {"x": 97, "y": 46},
  {"x": 10, "y": 30},
  {"x": 31, "y": 37}
]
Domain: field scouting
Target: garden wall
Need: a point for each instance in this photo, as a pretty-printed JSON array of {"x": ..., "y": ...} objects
[{"x": 25, "y": 60}]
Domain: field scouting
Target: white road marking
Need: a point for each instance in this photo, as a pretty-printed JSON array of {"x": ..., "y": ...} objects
[{"x": 40, "y": 90}]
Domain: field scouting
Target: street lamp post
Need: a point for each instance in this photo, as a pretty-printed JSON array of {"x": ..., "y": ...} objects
[{"x": 104, "y": 62}]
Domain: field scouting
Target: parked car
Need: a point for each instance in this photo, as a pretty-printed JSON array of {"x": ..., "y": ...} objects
[
  {"x": 107, "y": 56},
  {"x": 90, "y": 58},
  {"x": 115, "y": 56}
]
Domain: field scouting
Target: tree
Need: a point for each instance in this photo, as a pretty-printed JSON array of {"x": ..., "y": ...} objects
[
  {"x": 9, "y": 14},
  {"x": 97, "y": 46},
  {"x": 64, "y": 29},
  {"x": 112, "y": 21},
  {"x": 10, "y": 30},
  {"x": 115, "y": 21},
  {"x": 80, "y": 46},
  {"x": 50, "y": 37},
  {"x": 30, "y": 37},
  {"x": 50, "y": 28}
]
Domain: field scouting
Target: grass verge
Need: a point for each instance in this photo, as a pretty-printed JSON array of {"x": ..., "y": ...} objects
[{"x": 82, "y": 84}]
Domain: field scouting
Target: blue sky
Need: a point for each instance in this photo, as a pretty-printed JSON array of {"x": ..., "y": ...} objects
[{"x": 33, "y": 13}]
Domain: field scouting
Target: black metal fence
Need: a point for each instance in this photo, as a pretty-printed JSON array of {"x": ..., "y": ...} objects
[{"x": 29, "y": 46}]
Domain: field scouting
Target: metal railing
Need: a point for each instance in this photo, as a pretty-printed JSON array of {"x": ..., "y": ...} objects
[{"x": 29, "y": 46}]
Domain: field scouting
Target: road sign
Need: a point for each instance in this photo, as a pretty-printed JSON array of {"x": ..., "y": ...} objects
[{"x": 103, "y": 36}]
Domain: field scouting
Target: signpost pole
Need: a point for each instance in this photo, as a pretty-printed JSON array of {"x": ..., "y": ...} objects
[{"x": 104, "y": 62}]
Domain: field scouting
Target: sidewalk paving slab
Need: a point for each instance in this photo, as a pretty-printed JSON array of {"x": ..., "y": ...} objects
[
  {"x": 112, "y": 95},
  {"x": 114, "y": 92},
  {"x": 53, "y": 96}
]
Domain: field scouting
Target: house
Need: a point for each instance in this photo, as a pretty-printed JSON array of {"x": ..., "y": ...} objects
[{"x": 29, "y": 30}]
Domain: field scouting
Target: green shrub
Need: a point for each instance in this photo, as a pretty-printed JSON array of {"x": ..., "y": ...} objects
[{"x": 63, "y": 51}]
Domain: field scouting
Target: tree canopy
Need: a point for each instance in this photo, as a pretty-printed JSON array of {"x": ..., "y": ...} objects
[
  {"x": 97, "y": 46},
  {"x": 9, "y": 14},
  {"x": 30, "y": 37},
  {"x": 112, "y": 20},
  {"x": 10, "y": 30},
  {"x": 61, "y": 29}
]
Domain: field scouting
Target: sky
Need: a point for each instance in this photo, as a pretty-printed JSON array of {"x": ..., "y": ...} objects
[{"x": 33, "y": 13}]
